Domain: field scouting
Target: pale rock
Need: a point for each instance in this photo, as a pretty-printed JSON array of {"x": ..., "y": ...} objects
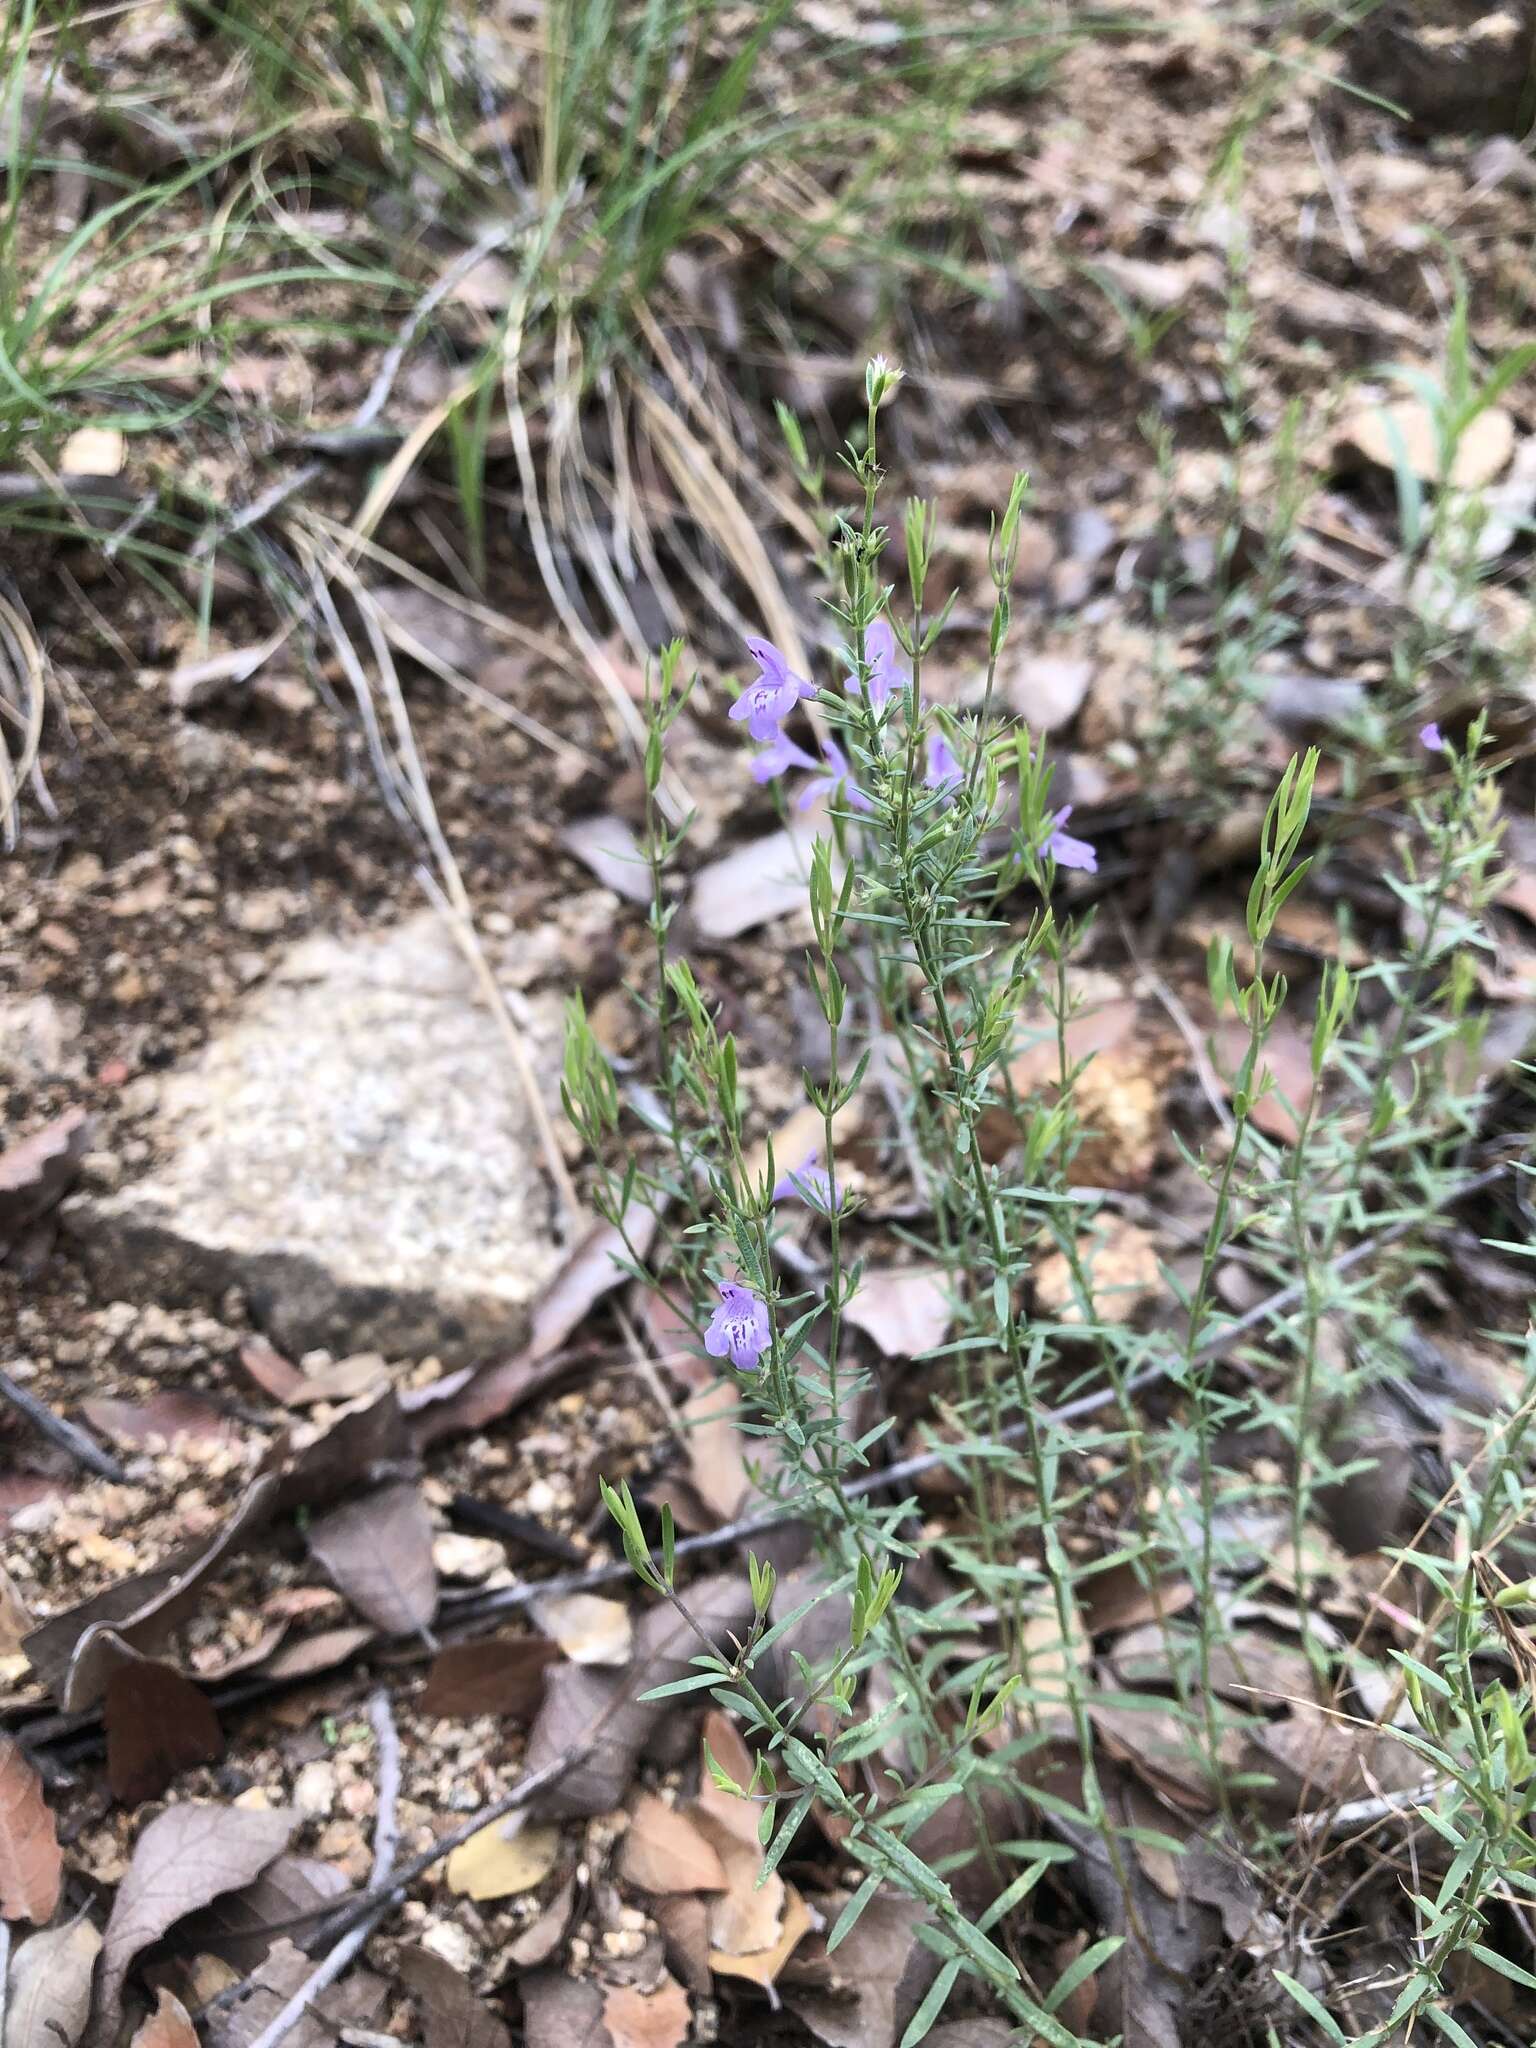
[
  {"x": 354, "y": 1153},
  {"x": 314, "y": 1789}
]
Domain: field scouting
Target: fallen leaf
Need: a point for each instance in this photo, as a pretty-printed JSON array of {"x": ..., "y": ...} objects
[
  {"x": 31, "y": 1862},
  {"x": 663, "y": 1851},
  {"x": 1403, "y": 431},
  {"x": 562, "y": 2012},
  {"x": 606, "y": 845},
  {"x": 358, "y": 2000},
  {"x": 235, "y": 1927},
  {"x": 593, "y": 1270},
  {"x": 452, "y": 2016},
  {"x": 502, "y": 1675},
  {"x": 93, "y": 451},
  {"x": 495, "y": 1865},
  {"x": 590, "y": 1629},
  {"x": 75, "y": 1652},
  {"x": 1046, "y": 690},
  {"x": 762, "y": 1966},
  {"x": 765, "y": 878},
  {"x": 907, "y": 1310},
  {"x": 344, "y": 1379},
  {"x": 542, "y": 1937},
  {"x": 1315, "y": 1759},
  {"x": 647, "y": 2019},
  {"x": 36, "y": 1172},
  {"x": 273, "y": 1373},
  {"x": 311, "y": 1656},
  {"x": 599, "y": 1714},
  {"x": 158, "y": 1725},
  {"x": 863, "y": 1994},
  {"x": 752, "y": 1917},
  {"x": 683, "y": 1918},
  {"x": 168, "y": 2026},
  {"x": 186, "y": 1857},
  {"x": 50, "y": 1990},
  {"x": 166, "y": 1417},
  {"x": 378, "y": 1551},
  {"x": 717, "y": 1450},
  {"x": 1287, "y": 1056}
]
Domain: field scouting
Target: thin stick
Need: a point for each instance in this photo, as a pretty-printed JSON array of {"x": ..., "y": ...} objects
[
  {"x": 83, "y": 1449},
  {"x": 386, "y": 1836}
]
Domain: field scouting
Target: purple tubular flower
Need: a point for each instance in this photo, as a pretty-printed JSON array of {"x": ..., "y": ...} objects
[
  {"x": 779, "y": 754},
  {"x": 880, "y": 652},
  {"x": 1430, "y": 736},
  {"x": 812, "y": 1183},
  {"x": 766, "y": 703},
  {"x": 943, "y": 768},
  {"x": 1066, "y": 851},
  {"x": 738, "y": 1329},
  {"x": 834, "y": 779}
]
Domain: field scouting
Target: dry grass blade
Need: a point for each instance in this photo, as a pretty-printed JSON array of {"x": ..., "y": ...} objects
[{"x": 23, "y": 692}]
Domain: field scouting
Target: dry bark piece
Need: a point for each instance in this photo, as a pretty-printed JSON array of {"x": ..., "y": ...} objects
[
  {"x": 158, "y": 1725},
  {"x": 31, "y": 1862},
  {"x": 50, "y": 1988},
  {"x": 906, "y": 1309},
  {"x": 168, "y": 2026},
  {"x": 664, "y": 1851},
  {"x": 36, "y": 1172},
  {"x": 647, "y": 2019},
  {"x": 502, "y": 1675},
  {"x": 185, "y": 1858},
  {"x": 452, "y": 2016},
  {"x": 378, "y": 1550}
]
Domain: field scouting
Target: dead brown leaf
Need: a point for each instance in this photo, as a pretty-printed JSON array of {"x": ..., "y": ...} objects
[
  {"x": 76, "y": 1651},
  {"x": 663, "y": 1851},
  {"x": 168, "y": 2026},
  {"x": 164, "y": 1417},
  {"x": 185, "y": 1858},
  {"x": 762, "y": 879},
  {"x": 269, "y": 1369},
  {"x": 717, "y": 1450},
  {"x": 50, "y": 1988},
  {"x": 357, "y": 2000},
  {"x": 862, "y": 1994},
  {"x": 31, "y": 1862},
  {"x": 563, "y": 2012},
  {"x": 906, "y": 1309},
  {"x": 452, "y": 2016},
  {"x": 683, "y": 1918},
  {"x": 234, "y": 1927},
  {"x": 1287, "y": 1057},
  {"x": 36, "y": 1172},
  {"x": 378, "y": 1551},
  {"x": 158, "y": 1724},
  {"x": 587, "y": 1709},
  {"x": 542, "y": 1937},
  {"x": 312, "y": 1656},
  {"x": 606, "y": 845},
  {"x": 502, "y": 1675},
  {"x": 647, "y": 2019}
]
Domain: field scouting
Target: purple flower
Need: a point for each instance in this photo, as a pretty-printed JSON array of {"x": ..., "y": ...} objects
[
  {"x": 779, "y": 754},
  {"x": 1066, "y": 851},
  {"x": 943, "y": 768},
  {"x": 766, "y": 703},
  {"x": 880, "y": 653},
  {"x": 1430, "y": 736},
  {"x": 738, "y": 1329},
  {"x": 833, "y": 779},
  {"x": 812, "y": 1183}
]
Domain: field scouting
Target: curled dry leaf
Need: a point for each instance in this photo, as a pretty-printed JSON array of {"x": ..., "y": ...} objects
[
  {"x": 542, "y": 1937},
  {"x": 495, "y": 1865},
  {"x": 158, "y": 1725},
  {"x": 50, "y": 1989},
  {"x": 452, "y": 2016},
  {"x": 663, "y": 1851},
  {"x": 185, "y": 1858},
  {"x": 906, "y": 1309},
  {"x": 31, "y": 1862},
  {"x": 588, "y": 1628},
  {"x": 502, "y": 1675},
  {"x": 168, "y": 2026},
  {"x": 647, "y": 2019},
  {"x": 378, "y": 1550}
]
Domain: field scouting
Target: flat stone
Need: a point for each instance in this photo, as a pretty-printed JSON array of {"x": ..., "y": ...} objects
[{"x": 354, "y": 1153}]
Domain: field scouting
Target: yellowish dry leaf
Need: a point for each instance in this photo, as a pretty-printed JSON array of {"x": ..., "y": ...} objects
[{"x": 492, "y": 1865}]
